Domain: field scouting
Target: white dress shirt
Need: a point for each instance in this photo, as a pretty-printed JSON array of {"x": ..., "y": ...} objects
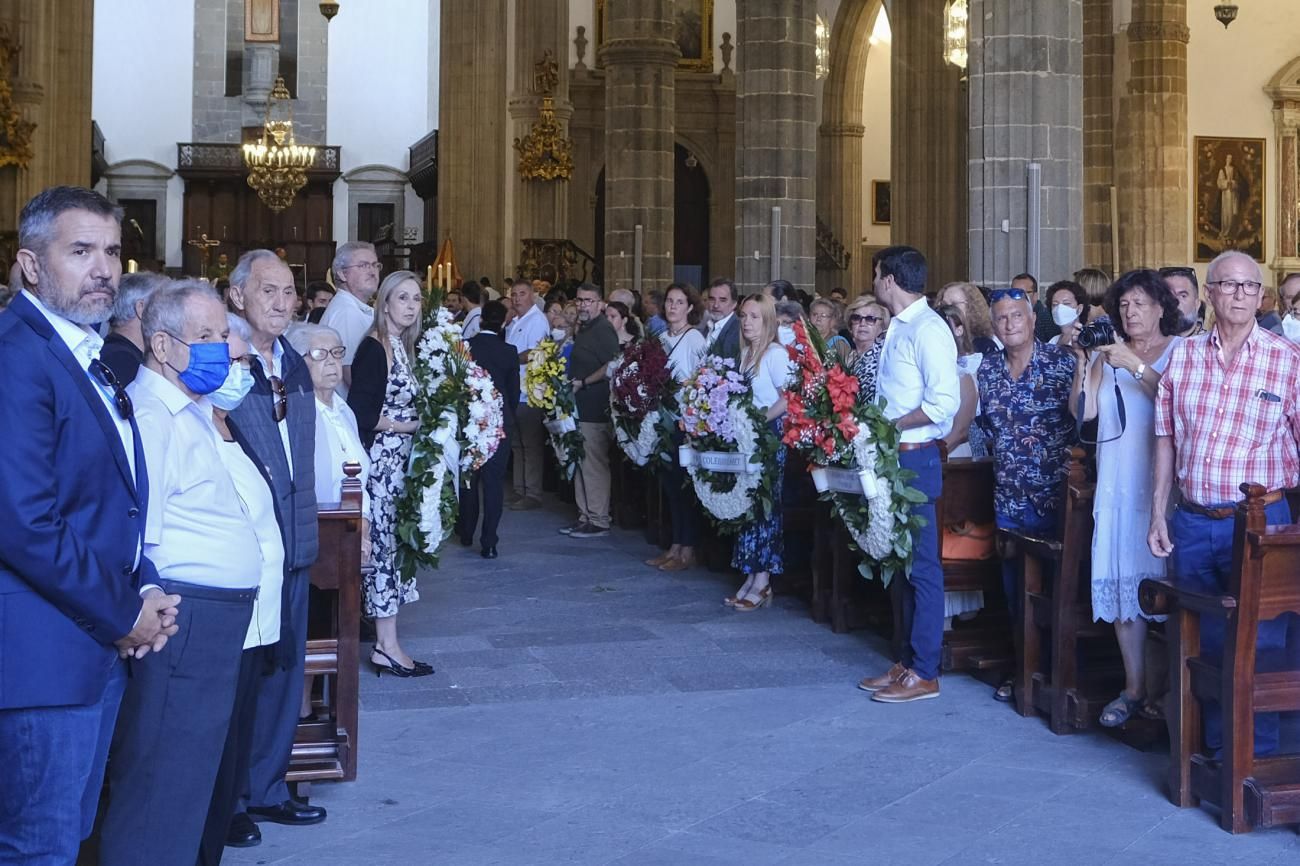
[
  {"x": 351, "y": 318},
  {"x": 196, "y": 531},
  {"x": 524, "y": 333},
  {"x": 918, "y": 370},
  {"x": 337, "y": 442},
  {"x": 716, "y": 328},
  {"x": 470, "y": 327},
  {"x": 255, "y": 499},
  {"x": 273, "y": 369}
]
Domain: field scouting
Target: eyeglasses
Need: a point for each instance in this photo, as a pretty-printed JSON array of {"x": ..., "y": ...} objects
[
  {"x": 1231, "y": 287},
  {"x": 319, "y": 354},
  {"x": 281, "y": 407},
  {"x": 1002, "y": 294},
  {"x": 369, "y": 266},
  {"x": 856, "y": 319},
  {"x": 582, "y": 302},
  {"x": 108, "y": 378}
]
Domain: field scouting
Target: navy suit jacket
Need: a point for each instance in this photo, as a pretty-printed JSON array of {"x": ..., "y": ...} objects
[
  {"x": 728, "y": 343},
  {"x": 500, "y": 361},
  {"x": 71, "y": 518}
]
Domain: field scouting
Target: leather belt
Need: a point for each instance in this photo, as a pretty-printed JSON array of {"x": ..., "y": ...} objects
[
  {"x": 916, "y": 446},
  {"x": 1228, "y": 510}
]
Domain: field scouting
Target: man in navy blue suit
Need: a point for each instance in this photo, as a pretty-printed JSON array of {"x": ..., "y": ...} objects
[
  {"x": 499, "y": 360},
  {"x": 76, "y": 595}
]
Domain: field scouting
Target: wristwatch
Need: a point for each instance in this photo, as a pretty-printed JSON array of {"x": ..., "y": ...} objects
[{"x": 1140, "y": 372}]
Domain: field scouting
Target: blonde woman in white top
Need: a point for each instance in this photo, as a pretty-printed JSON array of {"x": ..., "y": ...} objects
[{"x": 759, "y": 548}]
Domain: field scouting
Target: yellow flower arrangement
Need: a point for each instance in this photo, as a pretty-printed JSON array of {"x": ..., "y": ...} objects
[{"x": 544, "y": 375}]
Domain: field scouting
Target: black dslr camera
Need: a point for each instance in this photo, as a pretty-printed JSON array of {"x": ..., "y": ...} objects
[{"x": 1094, "y": 334}]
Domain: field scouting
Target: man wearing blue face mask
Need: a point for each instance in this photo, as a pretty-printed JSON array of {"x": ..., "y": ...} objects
[{"x": 202, "y": 539}]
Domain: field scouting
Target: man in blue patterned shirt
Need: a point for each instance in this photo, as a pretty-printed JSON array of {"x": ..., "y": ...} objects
[{"x": 1024, "y": 404}]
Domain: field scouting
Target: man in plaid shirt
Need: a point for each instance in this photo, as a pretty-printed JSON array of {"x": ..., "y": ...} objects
[{"x": 1227, "y": 412}]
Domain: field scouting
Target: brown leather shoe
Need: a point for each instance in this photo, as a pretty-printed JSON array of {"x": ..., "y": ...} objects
[
  {"x": 884, "y": 681},
  {"x": 909, "y": 688}
]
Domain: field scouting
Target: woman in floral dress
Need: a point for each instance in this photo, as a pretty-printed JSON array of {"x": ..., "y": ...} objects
[
  {"x": 760, "y": 548},
  {"x": 382, "y": 396}
]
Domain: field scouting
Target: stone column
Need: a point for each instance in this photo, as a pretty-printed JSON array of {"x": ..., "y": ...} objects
[
  {"x": 839, "y": 196},
  {"x": 473, "y": 168},
  {"x": 776, "y": 140},
  {"x": 1026, "y": 105},
  {"x": 541, "y": 207},
  {"x": 1098, "y": 131},
  {"x": 640, "y": 59},
  {"x": 928, "y": 108},
  {"x": 1151, "y": 139}
]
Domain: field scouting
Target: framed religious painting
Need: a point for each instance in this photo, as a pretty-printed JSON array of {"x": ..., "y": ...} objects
[
  {"x": 1229, "y": 204},
  {"x": 692, "y": 30},
  {"x": 880, "y": 211}
]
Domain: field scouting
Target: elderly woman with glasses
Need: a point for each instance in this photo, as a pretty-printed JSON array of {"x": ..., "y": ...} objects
[
  {"x": 383, "y": 398},
  {"x": 868, "y": 320},
  {"x": 828, "y": 317}
]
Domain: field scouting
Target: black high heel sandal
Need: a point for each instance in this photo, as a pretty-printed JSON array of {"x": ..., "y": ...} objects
[{"x": 418, "y": 669}]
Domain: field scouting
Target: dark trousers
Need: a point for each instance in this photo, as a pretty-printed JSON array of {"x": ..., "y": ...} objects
[
  {"x": 51, "y": 771},
  {"x": 683, "y": 507},
  {"x": 174, "y": 721},
  {"x": 489, "y": 483},
  {"x": 1202, "y": 561},
  {"x": 279, "y": 706},
  {"x": 234, "y": 757},
  {"x": 922, "y": 591},
  {"x": 1041, "y": 527}
]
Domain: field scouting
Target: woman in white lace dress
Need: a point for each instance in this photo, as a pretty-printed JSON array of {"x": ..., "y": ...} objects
[{"x": 1145, "y": 315}]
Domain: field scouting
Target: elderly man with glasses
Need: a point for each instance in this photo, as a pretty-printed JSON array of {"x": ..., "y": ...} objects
[
  {"x": 356, "y": 273},
  {"x": 276, "y": 424},
  {"x": 1227, "y": 412}
]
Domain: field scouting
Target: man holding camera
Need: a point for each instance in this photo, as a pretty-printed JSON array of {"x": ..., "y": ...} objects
[{"x": 1024, "y": 400}]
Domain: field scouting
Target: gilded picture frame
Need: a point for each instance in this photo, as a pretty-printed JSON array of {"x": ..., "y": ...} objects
[
  {"x": 693, "y": 21},
  {"x": 880, "y": 203},
  {"x": 1230, "y": 196}
]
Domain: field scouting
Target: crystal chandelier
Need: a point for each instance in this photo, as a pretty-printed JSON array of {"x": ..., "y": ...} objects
[
  {"x": 955, "y": 16},
  {"x": 277, "y": 165}
]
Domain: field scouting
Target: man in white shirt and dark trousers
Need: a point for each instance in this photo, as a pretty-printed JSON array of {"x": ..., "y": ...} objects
[
  {"x": 356, "y": 273},
  {"x": 918, "y": 381},
  {"x": 205, "y": 548},
  {"x": 528, "y": 444}
]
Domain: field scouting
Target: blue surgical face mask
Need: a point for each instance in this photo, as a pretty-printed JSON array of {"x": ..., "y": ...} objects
[
  {"x": 208, "y": 367},
  {"x": 233, "y": 391}
]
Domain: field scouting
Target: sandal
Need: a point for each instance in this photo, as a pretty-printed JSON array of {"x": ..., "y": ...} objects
[
  {"x": 1118, "y": 711},
  {"x": 1006, "y": 692},
  {"x": 1152, "y": 711}
]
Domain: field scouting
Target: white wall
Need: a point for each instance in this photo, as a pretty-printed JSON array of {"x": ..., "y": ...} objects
[
  {"x": 383, "y": 83},
  {"x": 876, "y": 119},
  {"x": 1227, "y": 71},
  {"x": 140, "y": 94}
]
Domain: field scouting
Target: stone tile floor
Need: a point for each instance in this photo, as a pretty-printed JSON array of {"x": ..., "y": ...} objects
[{"x": 587, "y": 709}]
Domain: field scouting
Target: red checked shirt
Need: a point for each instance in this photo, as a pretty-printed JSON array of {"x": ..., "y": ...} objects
[{"x": 1232, "y": 425}]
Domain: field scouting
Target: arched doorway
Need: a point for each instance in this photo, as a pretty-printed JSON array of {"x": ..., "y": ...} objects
[{"x": 692, "y": 203}]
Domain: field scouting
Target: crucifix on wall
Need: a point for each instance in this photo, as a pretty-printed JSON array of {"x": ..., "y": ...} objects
[{"x": 261, "y": 20}]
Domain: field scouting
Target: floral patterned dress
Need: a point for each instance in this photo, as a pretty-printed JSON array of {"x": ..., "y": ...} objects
[
  {"x": 760, "y": 544},
  {"x": 383, "y": 589}
]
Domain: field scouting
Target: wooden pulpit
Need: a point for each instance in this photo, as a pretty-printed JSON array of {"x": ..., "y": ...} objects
[{"x": 325, "y": 746}]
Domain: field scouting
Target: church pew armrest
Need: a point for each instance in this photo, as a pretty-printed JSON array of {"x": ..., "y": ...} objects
[{"x": 1160, "y": 598}]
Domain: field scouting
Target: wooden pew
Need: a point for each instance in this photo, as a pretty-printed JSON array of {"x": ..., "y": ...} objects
[
  {"x": 1249, "y": 792},
  {"x": 325, "y": 748},
  {"x": 627, "y": 490},
  {"x": 983, "y": 643},
  {"x": 1056, "y": 605}
]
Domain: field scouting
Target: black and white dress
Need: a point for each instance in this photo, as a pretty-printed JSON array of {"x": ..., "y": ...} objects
[{"x": 378, "y": 391}]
